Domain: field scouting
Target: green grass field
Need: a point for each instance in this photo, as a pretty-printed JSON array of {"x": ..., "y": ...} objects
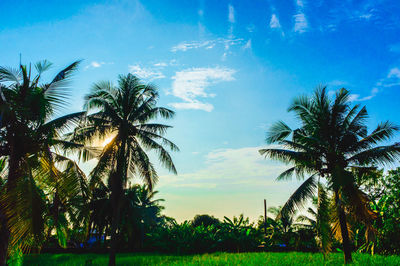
[{"x": 292, "y": 258}]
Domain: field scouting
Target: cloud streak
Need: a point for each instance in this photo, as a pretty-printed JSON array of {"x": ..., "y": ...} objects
[
  {"x": 191, "y": 84},
  {"x": 392, "y": 79},
  {"x": 145, "y": 73},
  {"x": 96, "y": 64},
  {"x": 206, "y": 44},
  {"x": 300, "y": 20},
  {"x": 274, "y": 22},
  {"x": 231, "y": 14}
]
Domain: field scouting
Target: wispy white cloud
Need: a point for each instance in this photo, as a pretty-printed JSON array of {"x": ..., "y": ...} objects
[
  {"x": 231, "y": 19},
  {"x": 299, "y": 3},
  {"x": 300, "y": 23},
  {"x": 247, "y": 45},
  {"x": 358, "y": 98},
  {"x": 145, "y": 72},
  {"x": 392, "y": 79},
  {"x": 160, "y": 64},
  {"x": 367, "y": 16},
  {"x": 394, "y": 73},
  {"x": 231, "y": 14},
  {"x": 300, "y": 20},
  {"x": 274, "y": 22},
  {"x": 96, "y": 64},
  {"x": 191, "y": 84},
  {"x": 207, "y": 44}
]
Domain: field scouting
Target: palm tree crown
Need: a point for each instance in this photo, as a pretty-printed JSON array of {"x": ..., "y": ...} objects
[{"x": 125, "y": 112}]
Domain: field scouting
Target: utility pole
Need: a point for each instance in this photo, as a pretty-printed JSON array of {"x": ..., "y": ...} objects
[{"x": 265, "y": 217}]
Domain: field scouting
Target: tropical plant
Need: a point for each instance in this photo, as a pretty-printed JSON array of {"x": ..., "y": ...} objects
[
  {"x": 30, "y": 141},
  {"x": 331, "y": 140},
  {"x": 238, "y": 234},
  {"x": 125, "y": 112}
]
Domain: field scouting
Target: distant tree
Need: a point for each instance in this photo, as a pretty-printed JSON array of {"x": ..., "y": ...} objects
[
  {"x": 331, "y": 141},
  {"x": 126, "y": 111},
  {"x": 205, "y": 220}
]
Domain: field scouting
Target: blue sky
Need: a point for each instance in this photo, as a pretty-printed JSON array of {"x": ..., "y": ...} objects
[{"x": 228, "y": 68}]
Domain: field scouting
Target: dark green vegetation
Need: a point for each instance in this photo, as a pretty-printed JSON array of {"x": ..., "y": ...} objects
[
  {"x": 48, "y": 204},
  {"x": 292, "y": 258}
]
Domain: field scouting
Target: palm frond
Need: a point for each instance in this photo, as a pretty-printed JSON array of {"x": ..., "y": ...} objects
[
  {"x": 297, "y": 199},
  {"x": 8, "y": 74},
  {"x": 382, "y": 155},
  {"x": 278, "y": 131}
]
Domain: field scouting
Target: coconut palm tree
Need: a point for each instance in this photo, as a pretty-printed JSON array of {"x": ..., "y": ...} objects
[
  {"x": 125, "y": 112},
  {"x": 30, "y": 142},
  {"x": 332, "y": 139}
]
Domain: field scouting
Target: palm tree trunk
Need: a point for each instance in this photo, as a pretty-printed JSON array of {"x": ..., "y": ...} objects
[
  {"x": 14, "y": 172},
  {"x": 344, "y": 230},
  {"x": 115, "y": 201},
  {"x": 117, "y": 191}
]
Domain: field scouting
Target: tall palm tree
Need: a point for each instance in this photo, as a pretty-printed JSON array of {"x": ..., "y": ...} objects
[
  {"x": 125, "y": 112},
  {"x": 30, "y": 141},
  {"x": 331, "y": 140}
]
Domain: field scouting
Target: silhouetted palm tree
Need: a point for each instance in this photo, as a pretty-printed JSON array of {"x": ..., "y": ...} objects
[
  {"x": 125, "y": 111},
  {"x": 331, "y": 140},
  {"x": 30, "y": 141}
]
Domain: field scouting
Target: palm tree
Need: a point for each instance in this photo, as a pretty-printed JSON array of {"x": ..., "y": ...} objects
[
  {"x": 125, "y": 112},
  {"x": 331, "y": 140},
  {"x": 30, "y": 141},
  {"x": 141, "y": 213}
]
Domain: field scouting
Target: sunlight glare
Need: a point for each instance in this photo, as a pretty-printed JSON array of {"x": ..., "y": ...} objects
[{"x": 107, "y": 141}]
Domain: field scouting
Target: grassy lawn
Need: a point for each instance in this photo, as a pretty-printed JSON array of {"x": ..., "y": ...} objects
[{"x": 292, "y": 258}]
